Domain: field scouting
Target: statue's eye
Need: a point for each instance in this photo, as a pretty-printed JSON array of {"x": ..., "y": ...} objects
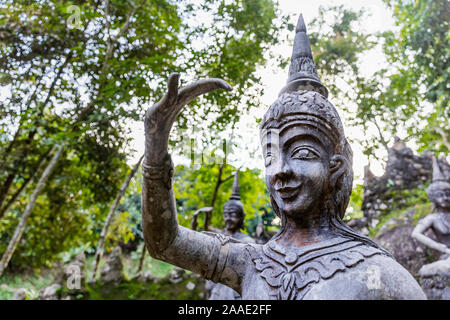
[{"x": 304, "y": 154}]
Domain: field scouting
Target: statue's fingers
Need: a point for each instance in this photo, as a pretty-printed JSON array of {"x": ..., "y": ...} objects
[
  {"x": 198, "y": 88},
  {"x": 172, "y": 88},
  {"x": 170, "y": 98}
]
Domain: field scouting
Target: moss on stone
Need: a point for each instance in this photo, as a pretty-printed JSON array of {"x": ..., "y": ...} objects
[{"x": 137, "y": 290}]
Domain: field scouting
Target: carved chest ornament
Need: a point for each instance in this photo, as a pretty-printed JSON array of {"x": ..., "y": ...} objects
[{"x": 290, "y": 274}]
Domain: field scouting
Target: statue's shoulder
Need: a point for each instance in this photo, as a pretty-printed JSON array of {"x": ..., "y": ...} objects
[
  {"x": 242, "y": 237},
  {"x": 429, "y": 219},
  {"x": 395, "y": 282},
  {"x": 378, "y": 277},
  {"x": 432, "y": 216}
]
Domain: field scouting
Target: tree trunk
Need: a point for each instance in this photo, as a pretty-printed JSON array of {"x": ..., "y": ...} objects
[
  {"x": 23, "y": 153},
  {"x": 220, "y": 181},
  {"x": 141, "y": 261},
  {"x": 23, "y": 220},
  {"x": 208, "y": 215},
  {"x": 13, "y": 198},
  {"x": 110, "y": 216},
  {"x": 444, "y": 137},
  {"x": 48, "y": 170}
]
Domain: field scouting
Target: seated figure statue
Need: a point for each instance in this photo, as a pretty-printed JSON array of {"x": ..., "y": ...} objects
[
  {"x": 438, "y": 222},
  {"x": 308, "y": 160},
  {"x": 233, "y": 216}
]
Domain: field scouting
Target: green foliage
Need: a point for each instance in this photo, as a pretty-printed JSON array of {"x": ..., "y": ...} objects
[
  {"x": 83, "y": 85},
  {"x": 424, "y": 44},
  {"x": 32, "y": 283},
  {"x": 266, "y": 218},
  {"x": 127, "y": 224},
  {"x": 409, "y": 95},
  {"x": 194, "y": 189},
  {"x": 338, "y": 44},
  {"x": 401, "y": 201},
  {"x": 136, "y": 290},
  {"x": 354, "y": 210}
]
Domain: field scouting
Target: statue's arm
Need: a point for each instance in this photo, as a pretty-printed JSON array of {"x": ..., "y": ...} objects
[
  {"x": 419, "y": 234},
  {"x": 164, "y": 238}
]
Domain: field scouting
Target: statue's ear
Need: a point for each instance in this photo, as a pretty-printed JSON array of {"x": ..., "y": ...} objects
[{"x": 337, "y": 168}]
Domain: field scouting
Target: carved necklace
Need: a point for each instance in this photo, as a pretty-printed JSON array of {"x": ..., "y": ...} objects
[{"x": 291, "y": 273}]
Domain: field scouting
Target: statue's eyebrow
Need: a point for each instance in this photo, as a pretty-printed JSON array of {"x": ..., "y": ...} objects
[{"x": 290, "y": 140}]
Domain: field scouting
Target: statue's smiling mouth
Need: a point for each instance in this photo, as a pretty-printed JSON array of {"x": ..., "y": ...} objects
[{"x": 287, "y": 193}]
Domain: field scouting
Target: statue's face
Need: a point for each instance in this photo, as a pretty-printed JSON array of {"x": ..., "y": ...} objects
[
  {"x": 297, "y": 169},
  {"x": 441, "y": 198},
  {"x": 232, "y": 219}
]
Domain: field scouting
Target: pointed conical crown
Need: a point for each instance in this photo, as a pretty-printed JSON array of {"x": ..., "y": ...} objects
[
  {"x": 437, "y": 174},
  {"x": 438, "y": 183},
  {"x": 235, "y": 203},
  {"x": 235, "y": 195},
  {"x": 302, "y": 71}
]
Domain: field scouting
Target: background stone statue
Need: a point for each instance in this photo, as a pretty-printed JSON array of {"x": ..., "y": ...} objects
[
  {"x": 233, "y": 216},
  {"x": 438, "y": 222},
  {"x": 309, "y": 177}
]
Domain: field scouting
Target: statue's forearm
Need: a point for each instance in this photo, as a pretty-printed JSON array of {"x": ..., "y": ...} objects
[
  {"x": 202, "y": 253},
  {"x": 159, "y": 218},
  {"x": 427, "y": 241},
  {"x": 164, "y": 239}
]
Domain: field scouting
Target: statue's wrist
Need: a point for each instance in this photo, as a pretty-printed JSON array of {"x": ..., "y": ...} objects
[{"x": 161, "y": 170}]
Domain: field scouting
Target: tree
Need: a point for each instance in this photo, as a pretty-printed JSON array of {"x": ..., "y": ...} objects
[
  {"x": 422, "y": 46},
  {"x": 196, "y": 188},
  {"x": 406, "y": 97},
  {"x": 77, "y": 87},
  {"x": 110, "y": 216}
]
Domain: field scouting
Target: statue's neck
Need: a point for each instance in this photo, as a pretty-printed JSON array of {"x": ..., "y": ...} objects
[
  {"x": 442, "y": 210},
  {"x": 302, "y": 232},
  {"x": 230, "y": 232}
]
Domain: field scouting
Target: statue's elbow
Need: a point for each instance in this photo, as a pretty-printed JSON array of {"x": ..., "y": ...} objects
[
  {"x": 153, "y": 249},
  {"x": 416, "y": 234}
]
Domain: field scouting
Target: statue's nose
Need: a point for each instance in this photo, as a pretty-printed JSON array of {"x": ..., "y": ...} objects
[{"x": 284, "y": 169}]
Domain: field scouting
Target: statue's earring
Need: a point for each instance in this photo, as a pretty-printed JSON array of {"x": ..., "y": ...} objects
[{"x": 337, "y": 168}]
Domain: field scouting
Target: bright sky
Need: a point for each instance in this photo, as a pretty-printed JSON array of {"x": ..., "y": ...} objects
[{"x": 274, "y": 80}]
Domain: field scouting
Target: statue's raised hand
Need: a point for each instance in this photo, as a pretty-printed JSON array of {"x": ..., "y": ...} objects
[{"x": 160, "y": 117}]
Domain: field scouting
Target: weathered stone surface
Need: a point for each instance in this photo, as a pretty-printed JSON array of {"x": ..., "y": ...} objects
[
  {"x": 233, "y": 216},
  {"x": 112, "y": 271},
  {"x": 148, "y": 277},
  {"x": 406, "y": 250},
  {"x": 436, "y": 274},
  {"x": 74, "y": 275},
  {"x": 176, "y": 275},
  {"x": 20, "y": 294},
  {"x": 404, "y": 171},
  {"x": 52, "y": 292},
  {"x": 436, "y": 287}
]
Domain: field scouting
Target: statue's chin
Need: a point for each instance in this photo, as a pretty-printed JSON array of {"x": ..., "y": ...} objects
[
  {"x": 299, "y": 208},
  {"x": 443, "y": 207}
]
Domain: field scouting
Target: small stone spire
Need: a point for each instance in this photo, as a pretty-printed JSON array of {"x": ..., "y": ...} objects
[
  {"x": 235, "y": 195},
  {"x": 437, "y": 173},
  {"x": 302, "y": 71}
]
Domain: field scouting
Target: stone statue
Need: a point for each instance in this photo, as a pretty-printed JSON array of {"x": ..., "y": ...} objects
[
  {"x": 439, "y": 223},
  {"x": 309, "y": 177},
  {"x": 233, "y": 216}
]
